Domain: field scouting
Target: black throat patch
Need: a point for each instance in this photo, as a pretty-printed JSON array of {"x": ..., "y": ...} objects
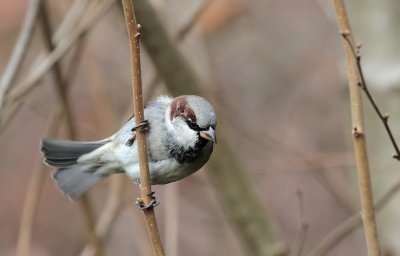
[{"x": 189, "y": 155}]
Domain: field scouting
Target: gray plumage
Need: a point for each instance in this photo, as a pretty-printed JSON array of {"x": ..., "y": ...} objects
[
  {"x": 72, "y": 178},
  {"x": 180, "y": 141}
]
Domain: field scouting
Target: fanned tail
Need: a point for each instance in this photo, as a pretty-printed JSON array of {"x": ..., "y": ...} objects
[{"x": 71, "y": 177}]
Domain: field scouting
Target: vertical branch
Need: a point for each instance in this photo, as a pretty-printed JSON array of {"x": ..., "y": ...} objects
[
  {"x": 255, "y": 228},
  {"x": 145, "y": 186},
  {"x": 359, "y": 141}
]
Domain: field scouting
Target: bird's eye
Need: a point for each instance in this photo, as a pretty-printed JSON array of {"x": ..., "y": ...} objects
[{"x": 192, "y": 125}]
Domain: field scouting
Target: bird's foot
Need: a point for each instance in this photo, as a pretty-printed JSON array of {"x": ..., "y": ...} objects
[
  {"x": 142, "y": 206},
  {"x": 142, "y": 127}
]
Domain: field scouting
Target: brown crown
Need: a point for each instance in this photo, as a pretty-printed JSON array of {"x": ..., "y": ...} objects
[{"x": 180, "y": 107}]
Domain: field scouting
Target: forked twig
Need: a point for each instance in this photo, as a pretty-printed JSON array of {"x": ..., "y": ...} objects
[{"x": 355, "y": 50}]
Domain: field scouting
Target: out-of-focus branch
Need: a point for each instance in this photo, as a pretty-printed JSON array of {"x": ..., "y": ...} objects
[
  {"x": 303, "y": 227},
  {"x": 70, "y": 20},
  {"x": 182, "y": 33},
  {"x": 111, "y": 209},
  {"x": 172, "y": 219},
  {"x": 36, "y": 181},
  {"x": 33, "y": 193},
  {"x": 335, "y": 236},
  {"x": 12, "y": 104},
  {"x": 359, "y": 140},
  {"x": 20, "y": 48},
  {"x": 145, "y": 186},
  {"x": 85, "y": 207},
  {"x": 36, "y": 74},
  {"x": 233, "y": 187},
  {"x": 60, "y": 83},
  {"x": 165, "y": 56}
]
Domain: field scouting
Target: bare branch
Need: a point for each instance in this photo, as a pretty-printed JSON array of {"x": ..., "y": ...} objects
[
  {"x": 255, "y": 228},
  {"x": 111, "y": 210},
  {"x": 303, "y": 226},
  {"x": 36, "y": 74},
  {"x": 383, "y": 117},
  {"x": 61, "y": 88},
  {"x": 145, "y": 186},
  {"x": 20, "y": 48},
  {"x": 68, "y": 23},
  {"x": 359, "y": 139},
  {"x": 33, "y": 193}
]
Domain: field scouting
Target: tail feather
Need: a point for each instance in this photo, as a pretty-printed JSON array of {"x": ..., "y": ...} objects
[
  {"x": 71, "y": 177},
  {"x": 76, "y": 180},
  {"x": 58, "y": 153}
]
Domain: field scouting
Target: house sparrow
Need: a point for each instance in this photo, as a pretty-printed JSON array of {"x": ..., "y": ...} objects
[{"x": 180, "y": 137}]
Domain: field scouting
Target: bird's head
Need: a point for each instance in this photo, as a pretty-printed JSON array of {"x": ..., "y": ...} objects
[{"x": 191, "y": 118}]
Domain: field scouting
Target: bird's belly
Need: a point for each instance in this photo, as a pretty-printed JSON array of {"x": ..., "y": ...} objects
[{"x": 161, "y": 172}]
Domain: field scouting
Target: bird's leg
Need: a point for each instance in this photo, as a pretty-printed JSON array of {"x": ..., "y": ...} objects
[
  {"x": 142, "y": 206},
  {"x": 143, "y": 126}
]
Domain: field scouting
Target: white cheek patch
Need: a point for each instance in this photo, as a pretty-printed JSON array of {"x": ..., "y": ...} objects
[
  {"x": 181, "y": 132},
  {"x": 185, "y": 135}
]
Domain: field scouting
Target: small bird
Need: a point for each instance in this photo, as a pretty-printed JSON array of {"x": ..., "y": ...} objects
[{"x": 180, "y": 136}]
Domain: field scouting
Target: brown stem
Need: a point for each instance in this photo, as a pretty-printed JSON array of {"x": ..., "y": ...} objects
[
  {"x": 363, "y": 84},
  {"x": 255, "y": 229},
  {"x": 359, "y": 140},
  {"x": 145, "y": 186}
]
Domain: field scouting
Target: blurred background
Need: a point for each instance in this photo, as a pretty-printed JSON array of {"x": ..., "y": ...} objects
[{"x": 275, "y": 72}]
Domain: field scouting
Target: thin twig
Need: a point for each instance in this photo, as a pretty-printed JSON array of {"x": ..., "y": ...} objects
[
  {"x": 69, "y": 22},
  {"x": 61, "y": 88},
  {"x": 145, "y": 186},
  {"x": 60, "y": 83},
  {"x": 20, "y": 48},
  {"x": 383, "y": 117},
  {"x": 35, "y": 185},
  {"x": 33, "y": 193},
  {"x": 36, "y": 74},
  {"x": 111, "y": 210},
  {"x": 336, "y": 235},
  {"x": 303, "y": 226},
  {"x": 359, "y": 140},
  {"x": 172, "y": 219}
]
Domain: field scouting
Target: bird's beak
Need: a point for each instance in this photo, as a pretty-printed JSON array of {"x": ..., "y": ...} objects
[{"x": 209, "y": 135}]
